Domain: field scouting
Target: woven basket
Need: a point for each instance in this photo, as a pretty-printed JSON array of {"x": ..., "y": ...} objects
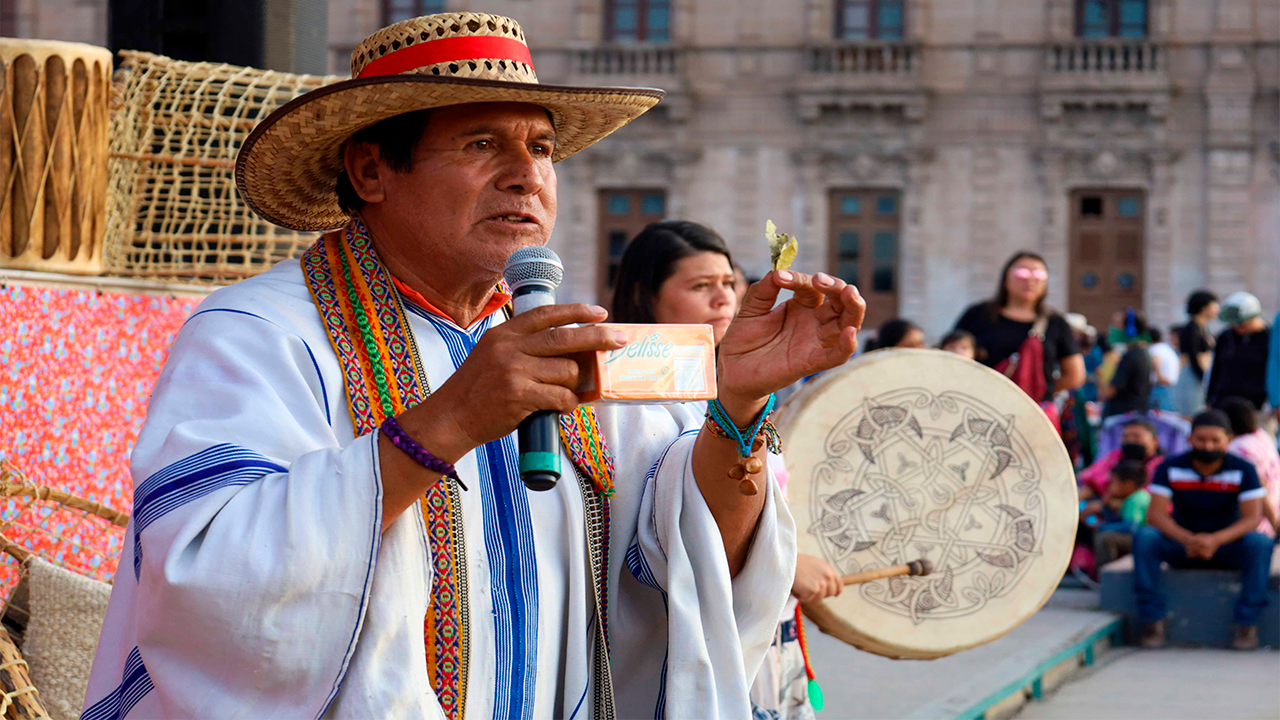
[
  {"x": 173, "y": 212},
  {"x": 80, "y": 535}
]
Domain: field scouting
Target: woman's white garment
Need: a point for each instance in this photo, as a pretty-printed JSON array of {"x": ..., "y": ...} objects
[{"x": 256, "y": 582}]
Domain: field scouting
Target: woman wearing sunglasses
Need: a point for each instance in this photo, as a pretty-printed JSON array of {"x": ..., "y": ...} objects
[{"x": 1021, "y": 337}]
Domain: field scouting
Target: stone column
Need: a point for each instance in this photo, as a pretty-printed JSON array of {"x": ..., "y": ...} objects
[{"x": 1161, "y": 299}]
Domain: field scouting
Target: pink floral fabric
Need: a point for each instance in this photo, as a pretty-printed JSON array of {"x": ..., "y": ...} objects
[{"x": 76, "y": 370}]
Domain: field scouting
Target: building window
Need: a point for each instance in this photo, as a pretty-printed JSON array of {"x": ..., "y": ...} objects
[
  {"x": 864, "y": 247},
  {"x": 870, "y": 19},
  {"x": 8, "y": 18},
  {"x": 393, "y": 11},
  {"x": 1111, "y": 18},
  {"x": 623, "y": 214},
  {"x": 637, "y": 20}
]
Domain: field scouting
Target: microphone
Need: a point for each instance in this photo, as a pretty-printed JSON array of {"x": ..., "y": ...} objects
[{"x": 533, "y": 274}]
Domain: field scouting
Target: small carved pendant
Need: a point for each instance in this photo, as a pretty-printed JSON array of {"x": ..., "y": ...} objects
[{"x": 745, "y": 468}]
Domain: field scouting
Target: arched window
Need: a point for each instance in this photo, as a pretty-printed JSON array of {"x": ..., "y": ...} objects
[
  {"x": 393, "y": 11},
  {"x": 637, "y": 20},
  {"x": 1111, "y": 18},
  {"x": 870, "y": 19}
]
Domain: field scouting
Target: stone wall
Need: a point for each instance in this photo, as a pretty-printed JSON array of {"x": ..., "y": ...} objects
[{"x": 986, "y": 116}]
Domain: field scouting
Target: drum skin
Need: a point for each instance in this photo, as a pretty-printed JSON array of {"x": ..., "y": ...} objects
[{"x": 906, "y": 454}]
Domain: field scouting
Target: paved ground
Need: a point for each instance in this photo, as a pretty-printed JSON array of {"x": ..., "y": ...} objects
[
  {"x": 1170, "y": 684},
  {"x": 861, "y": 686}
]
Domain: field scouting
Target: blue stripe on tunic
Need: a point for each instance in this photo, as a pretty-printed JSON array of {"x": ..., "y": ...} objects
[
  {"x": 134, "y": 685},
  {"x": 192, "y": 478},
  {"x": 509, "y": 548}
]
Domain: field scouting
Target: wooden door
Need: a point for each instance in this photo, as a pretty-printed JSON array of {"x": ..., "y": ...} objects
[
  {"x": 863, "y": 233},
  {"x": 1106, "y": 253}
]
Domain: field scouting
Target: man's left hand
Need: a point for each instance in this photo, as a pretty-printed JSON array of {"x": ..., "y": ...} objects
[{"x": 767, "y": 348}]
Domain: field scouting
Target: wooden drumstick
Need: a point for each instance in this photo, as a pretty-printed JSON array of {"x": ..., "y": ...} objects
[{"x": 915, "y": 567}]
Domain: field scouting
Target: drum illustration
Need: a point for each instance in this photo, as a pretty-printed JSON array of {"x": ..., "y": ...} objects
[{"x": 906, "y": 454}]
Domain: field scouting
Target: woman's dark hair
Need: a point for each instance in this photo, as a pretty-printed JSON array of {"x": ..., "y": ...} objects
[
  {"x": 396, "y": 137},
  {"x": 892, "y": 332},
  {"x": 651, "y": 258},
  {"x": 1198, "y": 301},
  {"x": 1242, "y": 414},
  {"x": 956, "y": 336},
  {"x": 1001, "y": 300}
]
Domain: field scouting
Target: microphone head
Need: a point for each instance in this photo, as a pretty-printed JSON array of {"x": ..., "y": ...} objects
[{"x": 533, "y": 266}]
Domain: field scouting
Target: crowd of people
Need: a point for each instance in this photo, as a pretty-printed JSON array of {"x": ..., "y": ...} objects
[{"x": 1173, "y": 433}]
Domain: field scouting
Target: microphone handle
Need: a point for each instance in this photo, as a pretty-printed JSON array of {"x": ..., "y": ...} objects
[
  {"x": 539, "y": 441},
  {"x": 538, "y": 436}
]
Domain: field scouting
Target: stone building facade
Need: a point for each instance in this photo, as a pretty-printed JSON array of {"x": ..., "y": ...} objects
[{"x": 913, "y": 145}]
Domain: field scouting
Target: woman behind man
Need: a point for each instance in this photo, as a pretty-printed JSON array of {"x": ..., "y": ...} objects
[
  {"x": 1015, "y": 328},
  {"x": 681, "y": 272},
  {"x": 1258, "y": 447}
]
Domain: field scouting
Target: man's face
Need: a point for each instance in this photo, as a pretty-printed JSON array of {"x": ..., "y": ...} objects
[
  {"x": 1211, "y": 438},
  {"x": 482, "y": 186}
]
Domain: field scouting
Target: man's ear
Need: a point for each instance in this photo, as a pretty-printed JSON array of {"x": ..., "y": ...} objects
[{"x": 362, "y": 161}]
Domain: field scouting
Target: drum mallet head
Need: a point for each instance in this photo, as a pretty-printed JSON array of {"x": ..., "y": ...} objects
[{"x": 920, "y": 567}]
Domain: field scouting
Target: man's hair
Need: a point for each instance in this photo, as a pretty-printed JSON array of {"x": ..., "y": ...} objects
[
  {"x": 1198, "y": 301},
  {"x": 1212, "y": 418},
  {"x": 1130, "y": 471},
  {"x": 396, "y": 137},
  {"x": 1242, "y": 414}
]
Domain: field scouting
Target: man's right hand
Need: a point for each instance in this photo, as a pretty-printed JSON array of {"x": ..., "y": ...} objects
[
  {"x": 517, "y": 368},
  {"x": 816, "y": 579}
]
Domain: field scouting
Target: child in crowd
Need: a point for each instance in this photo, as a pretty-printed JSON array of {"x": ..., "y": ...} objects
[
  {"x": 960, "y": 342},
  {"x": 1118, "y": 515}
]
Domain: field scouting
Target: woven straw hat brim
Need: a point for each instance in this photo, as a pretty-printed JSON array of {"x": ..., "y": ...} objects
[{"x": 287, "y": 169}]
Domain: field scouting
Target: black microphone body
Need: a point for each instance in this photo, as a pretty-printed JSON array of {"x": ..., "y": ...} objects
[{"x": 534, "y": 273}]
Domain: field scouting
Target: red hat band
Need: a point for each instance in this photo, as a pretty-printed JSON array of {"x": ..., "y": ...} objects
[{"x": 449, "y": 50}]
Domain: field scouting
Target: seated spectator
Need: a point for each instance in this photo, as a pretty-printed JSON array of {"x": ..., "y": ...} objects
[
  {"x": 1116, "y": 516},
  {"x": 1217, "y": 501},
  {"x": 899, "y": 333},
  {"x": 1255, "y": 445},
  {"x": 1138, "y": 442},
  {"x": 961, "y": 343}
]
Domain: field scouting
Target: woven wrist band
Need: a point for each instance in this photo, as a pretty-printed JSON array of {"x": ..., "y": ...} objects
[{"x": 420, "y": 455}]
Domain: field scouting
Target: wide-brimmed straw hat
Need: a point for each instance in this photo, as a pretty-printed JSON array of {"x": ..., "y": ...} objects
[{"x": 288, "y": 168}]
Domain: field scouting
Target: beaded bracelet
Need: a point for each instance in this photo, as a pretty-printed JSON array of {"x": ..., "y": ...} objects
[
  {"x": 419, "y": 454},
  {"x": 748, "y": 441}
]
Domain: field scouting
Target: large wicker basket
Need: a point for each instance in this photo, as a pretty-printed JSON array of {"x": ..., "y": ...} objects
[{"x": 173, "y": 212}]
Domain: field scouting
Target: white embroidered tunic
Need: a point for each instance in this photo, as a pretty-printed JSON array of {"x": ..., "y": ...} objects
[{"x": 256, "y": 582}]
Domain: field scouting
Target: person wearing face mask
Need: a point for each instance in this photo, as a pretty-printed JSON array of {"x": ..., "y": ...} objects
[
  {"x": 1138, "y": 442},
  {"x": 677, "y": 271},
  {"x": 1240, "y": 356},
  {"x": 1217, "y": 502}
]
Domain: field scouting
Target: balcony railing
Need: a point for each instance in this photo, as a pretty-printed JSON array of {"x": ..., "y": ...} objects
[
  {"x": 864, "y": 59},
  {"x": 627, "y": 61},
  {"x": 1106, "y": 57}
]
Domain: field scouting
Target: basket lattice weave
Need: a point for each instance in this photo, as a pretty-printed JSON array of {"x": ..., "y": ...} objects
[
  {"x": 78, "y": 534},
  {"x": 173, "y": 212}
]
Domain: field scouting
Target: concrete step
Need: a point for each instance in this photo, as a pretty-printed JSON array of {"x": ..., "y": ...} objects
[{"x": 991, "y": 681}]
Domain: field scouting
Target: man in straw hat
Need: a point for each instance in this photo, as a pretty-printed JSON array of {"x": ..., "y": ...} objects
[{"x": 328, "y": 516}]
